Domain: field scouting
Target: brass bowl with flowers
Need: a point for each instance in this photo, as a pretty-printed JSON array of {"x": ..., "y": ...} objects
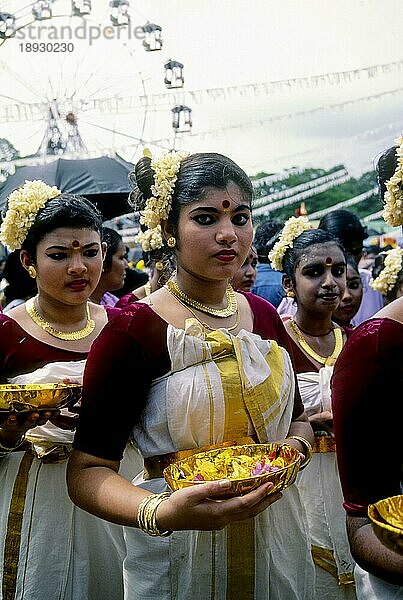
[
  {"x": 37, "y": 396},
  {"x": 246, "y": 466},
  {"x": 386, "y": 517}
]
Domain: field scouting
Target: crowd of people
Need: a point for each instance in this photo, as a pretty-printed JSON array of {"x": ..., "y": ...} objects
[{"x": 237, "y": 336}]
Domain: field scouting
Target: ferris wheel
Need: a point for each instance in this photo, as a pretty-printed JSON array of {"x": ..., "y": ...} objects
[{"x": 80, "y": 79}]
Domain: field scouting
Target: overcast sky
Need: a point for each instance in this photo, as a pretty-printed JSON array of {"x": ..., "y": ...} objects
[{"x": 226, "y": 43}]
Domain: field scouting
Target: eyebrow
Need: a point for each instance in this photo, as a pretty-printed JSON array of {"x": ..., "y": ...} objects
[
  {"x": 216, "y": 210},
  {"x": 315, "y": 265},
  {"x": 67, "y": 247}
]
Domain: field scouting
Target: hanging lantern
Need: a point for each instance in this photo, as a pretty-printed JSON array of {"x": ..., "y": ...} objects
[
  {"x": 42, "y": 9},
  {"x": 181, "y": 118},
  {"x": 7, "y": 25},
  {"x": 80, "y": 8},
  {"x": 173, "y": 74},
  {"x": 119, "y": 12},
  {"x": 153, "y": 40}
]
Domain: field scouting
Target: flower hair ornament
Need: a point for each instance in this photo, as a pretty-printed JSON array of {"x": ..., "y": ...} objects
[
  {"x": 291, "y": 230},
  {"x": 393, "y": 198},
  {"x": 22, "y": 207},
  {"x": 157, "y": 207},
  {"x": 387, "y": 278}
]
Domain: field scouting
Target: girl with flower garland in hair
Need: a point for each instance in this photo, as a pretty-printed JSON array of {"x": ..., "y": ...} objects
[
  {"x": 387, "y": 274},
  {"x": 368, "y": 431},
  {"x": 49, "y": 548},
  {"x": 210, "y": 367},
  {"x": 314, "y": 267}
]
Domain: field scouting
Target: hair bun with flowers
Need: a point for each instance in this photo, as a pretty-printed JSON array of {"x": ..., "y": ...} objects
[
  {"x": 393, "y": 198},
  {"x": 22, "y": 207},
  {"x": 387, "y": 278},
  {"x": 291, "y": 230},
  {"x": 157, "y": 207}
]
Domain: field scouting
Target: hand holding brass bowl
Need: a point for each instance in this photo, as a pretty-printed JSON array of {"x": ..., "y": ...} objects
[
  {"x": 37, "y": 396},
  {"x": 234, "y": 464},
  {"x": 387, "y": 522}
]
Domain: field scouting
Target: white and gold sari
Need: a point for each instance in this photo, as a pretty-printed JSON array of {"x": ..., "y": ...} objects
[
  {"x": 50, "y": 549},
  {"x": 320, "y": 490},
  {"x": 221, "y": 388}
]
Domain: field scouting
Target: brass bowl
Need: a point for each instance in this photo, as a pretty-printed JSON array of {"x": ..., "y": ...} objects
[
  {"x": 285, "y": 476},
  {"x": 386, "y": 517},
  {"x": 37, "y": 396}
]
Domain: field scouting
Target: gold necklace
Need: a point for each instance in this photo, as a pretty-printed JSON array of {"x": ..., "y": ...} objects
[
  {"x": 206, "y": 325},
  {"x": 329, "y": 360},
  {"x": 228, "y": 311},
  {"x": 61, "y": 335}
]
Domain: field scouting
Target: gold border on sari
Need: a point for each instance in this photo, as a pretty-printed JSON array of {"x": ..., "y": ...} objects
[{"x": 14, "y": 527}]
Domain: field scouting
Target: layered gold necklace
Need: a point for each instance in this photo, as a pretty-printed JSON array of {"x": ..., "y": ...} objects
[
  {"x": 61, "y": 335},
  {"x": 323, "y": 360},
  {"x": 188, "y": 303},
  {"x": 228, "y": 311}
]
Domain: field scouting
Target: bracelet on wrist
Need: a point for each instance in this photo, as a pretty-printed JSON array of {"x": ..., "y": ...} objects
[
  {"x": 146, "y": 514},
  {"x": 307, "y": 447}
]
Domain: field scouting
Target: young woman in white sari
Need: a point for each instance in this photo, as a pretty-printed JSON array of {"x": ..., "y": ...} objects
[
  {"x": 194, "y": 365},
  {"x": 49, "y": 548},
  {"x": 314, "y": 267}
]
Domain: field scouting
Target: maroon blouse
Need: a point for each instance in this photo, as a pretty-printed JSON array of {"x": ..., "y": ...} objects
[
  {"x": 130, "y": 352},
  {"x": 22, "y": 353},
  {"x": 367, "y": 402}
]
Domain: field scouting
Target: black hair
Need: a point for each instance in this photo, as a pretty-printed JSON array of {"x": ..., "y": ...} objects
[
  {"x": 66, "y": 210},
  {"x": 350, "y": 260},
  {"x": 113, "y": 240},
  {"x": 197, "y": 173},
  {"x": 385, "y": 168},
  {"x": 20, "y": 284},
  {"x": 265, "y": 237},
  {"x": 345, "y": 225},
  {"x": 310, "y": 237},
  {"x": 379, "y": 265}
]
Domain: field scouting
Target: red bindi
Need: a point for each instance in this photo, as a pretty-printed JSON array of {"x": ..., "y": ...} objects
[
  {"x": 75, "y": 243},
  {"x": 226, "y": 204},
  {"x": 329, "y": 262}
]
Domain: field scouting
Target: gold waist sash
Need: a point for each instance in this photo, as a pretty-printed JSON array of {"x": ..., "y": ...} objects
[{"x": 155, "y": 465}]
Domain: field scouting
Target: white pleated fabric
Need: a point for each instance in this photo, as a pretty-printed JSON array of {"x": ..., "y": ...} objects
[
  {"x": 370, "y": 587},
  {"x": 320, "y": 490},
  {"x": 221, "y": 387}
]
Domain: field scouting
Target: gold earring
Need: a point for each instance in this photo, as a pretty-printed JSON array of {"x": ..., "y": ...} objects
[
  {"x": 291, "y": 294},
  {"x": 171, "y": 241},
  {"x": 159, "y": 265},
  {"x": 32, "y": 271}
]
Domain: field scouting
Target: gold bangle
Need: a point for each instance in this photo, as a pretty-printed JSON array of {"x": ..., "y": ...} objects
[
  {"x": 146, "y": 514},
  {"x": 308, "y": 448}
]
